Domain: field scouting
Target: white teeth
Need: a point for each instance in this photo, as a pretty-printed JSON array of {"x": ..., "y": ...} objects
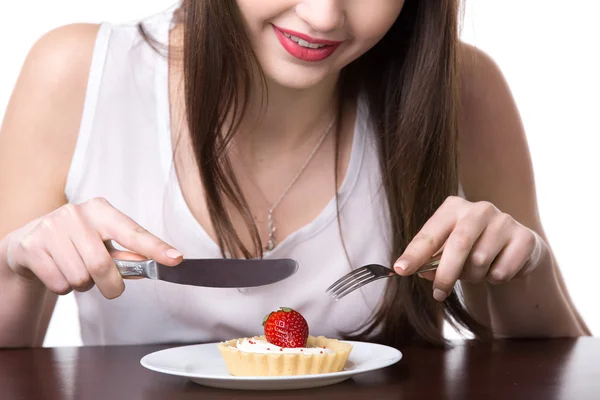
[{"x": 303, "y": 42}]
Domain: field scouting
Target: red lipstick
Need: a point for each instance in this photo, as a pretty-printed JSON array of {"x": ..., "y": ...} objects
[{"x": 300, "y": 50}]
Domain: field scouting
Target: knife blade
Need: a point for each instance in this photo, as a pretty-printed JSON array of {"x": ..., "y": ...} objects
[{"x": 208, "y": 272}]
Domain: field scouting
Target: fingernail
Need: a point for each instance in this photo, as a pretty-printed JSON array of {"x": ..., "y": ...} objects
[
  {"x": 172, "y": 253},
  {"x": 402, "y": 264},
  {"x": 439, "y": 295}
]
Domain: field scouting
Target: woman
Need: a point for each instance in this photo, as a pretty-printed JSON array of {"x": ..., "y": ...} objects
[{"x": 321, "y": 130}]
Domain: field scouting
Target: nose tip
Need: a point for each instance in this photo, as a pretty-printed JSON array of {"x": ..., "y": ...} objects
[{"x": 321, "y": 16}]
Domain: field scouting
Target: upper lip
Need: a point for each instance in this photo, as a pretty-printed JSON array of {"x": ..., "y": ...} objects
[{"x": 309, "y": 39}]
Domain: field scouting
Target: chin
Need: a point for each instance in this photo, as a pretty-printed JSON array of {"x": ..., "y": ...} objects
[
  {"x": 295, "y": 82},
  {"x": 298, "y": 77}
]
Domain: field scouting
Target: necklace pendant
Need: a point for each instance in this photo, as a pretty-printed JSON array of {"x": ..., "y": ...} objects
[
  {"x": 270, "y": 244},
  {"x": 271, "y": 225}
]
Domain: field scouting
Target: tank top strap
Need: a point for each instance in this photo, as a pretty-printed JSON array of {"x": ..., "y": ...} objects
[{"x": 124, "y": 103}]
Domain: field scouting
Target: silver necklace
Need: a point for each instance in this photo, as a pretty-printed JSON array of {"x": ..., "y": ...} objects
[{"x": 272, "y": 241}]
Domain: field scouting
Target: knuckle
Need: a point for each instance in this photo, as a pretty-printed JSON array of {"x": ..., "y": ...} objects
[
  {"x": 462, "y": 241},
  {"x": 505, "y": 220},
  {"x": 99, "y": 267},
  {"x": 453, "y": 201},
  {"x": 485, "y": 208},
  {"x": 425, "y": 240},
  {"x": 481, "y": 259},
  {"x": 69, "y": 210},
  {"x": 140, "y": 230},
  {"x": 26, "y": 244},
  {"x": 29, "y": 243},
  {"x": 97, "y": 203},
  {"x": 81, "y": 282},
  {"x": 60, "y": 287},
  {"x": 48, "y": 224},
  {"x": 130, "y": 238},
  {"x": 529, "y": 239},
  {"x": 499, "y": 275}
]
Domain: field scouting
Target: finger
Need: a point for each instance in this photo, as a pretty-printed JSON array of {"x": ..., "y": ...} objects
[
  {"x": 42, "y": 265},
  {"x": 489, "y": 245},
  {"x": 456, "y": 250},
  {"x": 29, "y": 256},
  {"x": 111, "y": 224},
  {"x": 126, "y": 255},
  {"x": 67, "y": 259},
  {"x": 51, "y": 237},
  {"x": 122, "y": 254},
  {"x": 429, "y": 275},
  {"x": 428, "y": 241},
  {"x": 95, "y": 258},
  {"x": 530, "y": 241},
  {"x": 512, "y": 259}
]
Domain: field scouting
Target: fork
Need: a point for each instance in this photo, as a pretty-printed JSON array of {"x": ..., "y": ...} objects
[{"x": 370, "y": 273}]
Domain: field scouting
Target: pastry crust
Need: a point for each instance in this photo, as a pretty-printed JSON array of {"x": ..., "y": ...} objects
[{"x": 240, "y": 363}]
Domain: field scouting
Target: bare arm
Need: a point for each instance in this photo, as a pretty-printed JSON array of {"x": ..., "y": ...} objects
[
  {"x": 37, "y": 140},
  {"x": 495, "y": 166}
]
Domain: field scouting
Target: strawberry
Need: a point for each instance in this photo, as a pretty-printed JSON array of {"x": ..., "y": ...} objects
[{"x": 286, "y": 328}]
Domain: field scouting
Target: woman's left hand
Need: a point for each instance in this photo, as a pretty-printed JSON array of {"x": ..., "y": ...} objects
[{"x": 480, "y": 243}]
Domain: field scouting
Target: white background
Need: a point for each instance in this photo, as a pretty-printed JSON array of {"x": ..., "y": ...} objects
[{"x": 548, "y": 51}]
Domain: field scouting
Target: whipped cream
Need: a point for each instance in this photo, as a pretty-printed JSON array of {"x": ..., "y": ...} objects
[{"x": 264, "y": 347}]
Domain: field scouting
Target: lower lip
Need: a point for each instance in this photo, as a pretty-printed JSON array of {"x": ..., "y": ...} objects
[{"x": 304, "y": 53}]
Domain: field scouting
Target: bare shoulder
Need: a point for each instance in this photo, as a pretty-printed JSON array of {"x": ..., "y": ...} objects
[
  {"x": 488, "y": 110},
  {"x": 61, "y": 58},
  {"x": 50, "y": 90},
  {"x": 41, "y": 124},
  {"x": 480, "y": 77},
  {"x": 495, "y": 163}
]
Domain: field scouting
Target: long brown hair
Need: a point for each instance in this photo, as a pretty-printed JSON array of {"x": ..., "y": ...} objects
[{"x": 410, "y": 82}]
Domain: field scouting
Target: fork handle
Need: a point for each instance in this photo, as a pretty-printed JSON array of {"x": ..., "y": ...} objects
[{"x": 431, "y": 265}]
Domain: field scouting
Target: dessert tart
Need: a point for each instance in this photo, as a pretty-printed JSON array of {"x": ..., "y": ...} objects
[{"x": 286, "y": 349}]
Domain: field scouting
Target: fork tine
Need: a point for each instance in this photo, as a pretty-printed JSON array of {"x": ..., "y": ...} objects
[
  {"x": 347, "y": 277},
  {"x": 353, "y": 284},
  {"x": 356, "y": 286},
  {"x": 350, "y": 280}
]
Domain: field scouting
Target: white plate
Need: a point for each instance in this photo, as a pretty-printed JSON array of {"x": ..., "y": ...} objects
[{"x": 203, "y": 364}]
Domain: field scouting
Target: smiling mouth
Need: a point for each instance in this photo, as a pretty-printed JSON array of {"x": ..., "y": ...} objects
[
  {"x": 304, "y": 43},
  {"x": 304, "y": 47}
]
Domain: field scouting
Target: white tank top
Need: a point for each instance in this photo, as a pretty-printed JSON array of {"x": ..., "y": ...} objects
[{"x": 124, "y": 154}]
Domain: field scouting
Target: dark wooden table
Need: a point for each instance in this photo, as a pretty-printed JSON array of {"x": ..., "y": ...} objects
[{"x": 524, "y": 369}]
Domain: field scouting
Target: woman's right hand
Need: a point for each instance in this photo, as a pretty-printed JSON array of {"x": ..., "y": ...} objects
[{"x": 67, "y": 249}]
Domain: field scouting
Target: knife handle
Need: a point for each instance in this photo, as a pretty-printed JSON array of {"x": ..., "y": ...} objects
[{"x": 135, "y": 269}]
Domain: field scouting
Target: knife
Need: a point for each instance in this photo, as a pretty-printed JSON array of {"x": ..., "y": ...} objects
[{"x": 216, "y": 273}]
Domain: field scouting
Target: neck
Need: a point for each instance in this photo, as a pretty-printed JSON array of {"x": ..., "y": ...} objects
[{"x": 288, "y": 119}]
